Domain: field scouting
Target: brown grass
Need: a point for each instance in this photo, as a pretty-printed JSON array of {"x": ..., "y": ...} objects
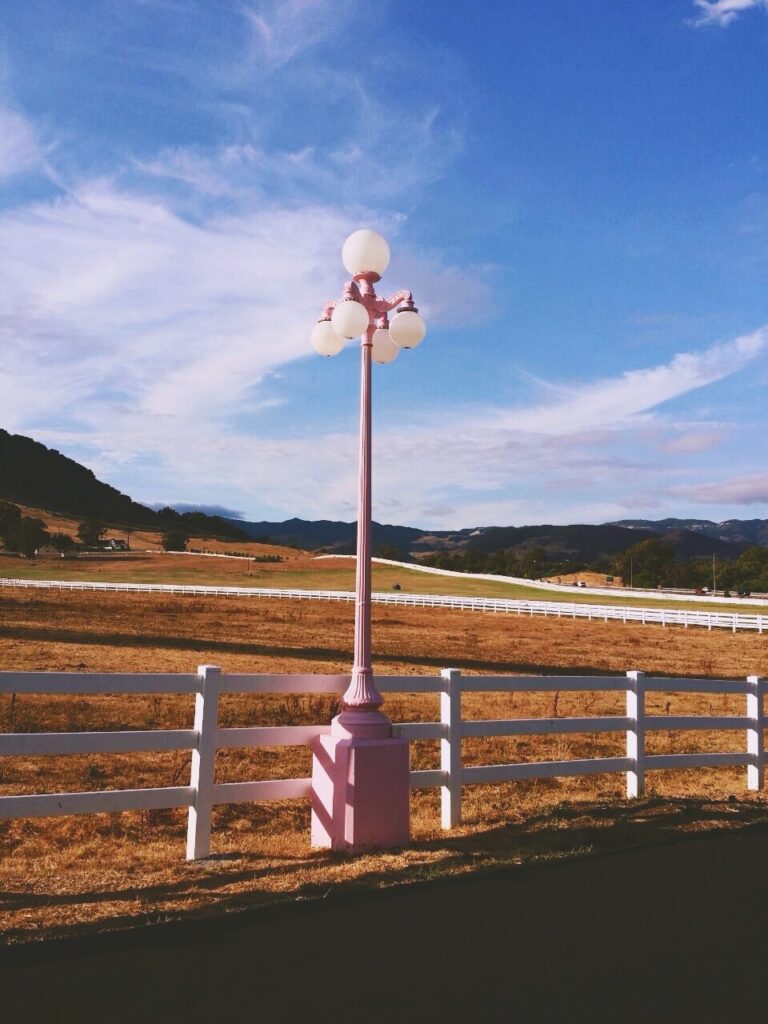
[
  {"x": 58, "y": 875},
  {"x": 301, "y": 569}
]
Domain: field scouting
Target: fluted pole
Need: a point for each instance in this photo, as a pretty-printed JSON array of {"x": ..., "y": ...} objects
[{"x": 362, "y": 694}]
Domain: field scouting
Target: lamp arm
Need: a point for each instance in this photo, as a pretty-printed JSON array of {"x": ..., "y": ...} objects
[
  {"x": 403, "y": 297},
  {"x": 377, "y": 306}
]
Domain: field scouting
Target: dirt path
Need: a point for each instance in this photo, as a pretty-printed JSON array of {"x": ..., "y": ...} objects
[{"x": 674, "y": 933}]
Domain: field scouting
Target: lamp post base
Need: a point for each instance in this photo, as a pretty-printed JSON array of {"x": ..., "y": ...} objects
[{"x": 360, "y": 786}]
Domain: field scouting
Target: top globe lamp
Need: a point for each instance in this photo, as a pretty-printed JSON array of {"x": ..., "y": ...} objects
[{"x": 365, "y": 252}]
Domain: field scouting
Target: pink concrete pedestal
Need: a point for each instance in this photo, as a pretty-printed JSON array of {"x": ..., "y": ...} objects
[{"x": 360, "y": 792}]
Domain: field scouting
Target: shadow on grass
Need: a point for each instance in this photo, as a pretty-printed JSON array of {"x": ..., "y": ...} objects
[
  {"x": 566, "y": 831},
  {"x": 304, "y": 653},
  {"x": 560, "y": 834}
]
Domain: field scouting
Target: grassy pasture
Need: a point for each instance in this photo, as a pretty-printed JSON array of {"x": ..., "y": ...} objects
[
  {"x": 58, "y": 875},
  {"x": 300, "y": 570}
]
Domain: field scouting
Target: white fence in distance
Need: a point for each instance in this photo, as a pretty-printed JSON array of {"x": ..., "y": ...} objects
[
  {"x": 665, "y": 594},
  {"x": 501, "y": 605},
  {"x": 206, "y": 737}
]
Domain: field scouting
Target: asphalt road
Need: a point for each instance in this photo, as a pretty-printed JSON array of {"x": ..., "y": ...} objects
[{"x": 675, "y": 933}]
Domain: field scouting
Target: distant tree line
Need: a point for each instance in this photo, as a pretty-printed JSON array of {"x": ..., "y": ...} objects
[
  {"x": 531, "y": 564},
  {"x": 651, "y": 563},
  {"x": 25, "y": 535},
  {"x": 197, "y": 523}
]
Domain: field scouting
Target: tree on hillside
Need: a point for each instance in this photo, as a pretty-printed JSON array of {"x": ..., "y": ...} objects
[
  {"x": 174, "y": 539},
  {"x": 749, "y": 571},
  {"x": 91, "y": 531},
  {"x": 29, "y": 535},
  {"x": 533, "y": 564},
  {"x": 62, "y": 542},
  {"x": 10, "y": 517},
  {"x": 389, "y": 551},
  {"x": 646, "y": 564}
]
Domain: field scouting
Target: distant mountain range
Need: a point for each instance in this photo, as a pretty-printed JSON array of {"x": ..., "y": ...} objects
[
  {"x": 31, "y": 474},
  {"x": 732, "y": 531},
  {"x": 580, "y": 543}
]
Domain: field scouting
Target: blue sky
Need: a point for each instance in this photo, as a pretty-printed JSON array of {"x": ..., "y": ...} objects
[{"x": 577, "y": 195}]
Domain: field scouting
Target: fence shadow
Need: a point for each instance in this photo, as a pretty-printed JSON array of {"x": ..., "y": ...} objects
[
  {"x": 495, "y": 666},
  {"x": 559, "y": 834},
  {"x": 567, "y": 831}
]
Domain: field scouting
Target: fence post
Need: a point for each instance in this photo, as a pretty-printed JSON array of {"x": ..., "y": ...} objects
[
  {"x": 450, "y": 748},
  {"x": 755, "y": 712},
  {"x": 636, "y": 733},
  {"x": 204, "y": 762}
]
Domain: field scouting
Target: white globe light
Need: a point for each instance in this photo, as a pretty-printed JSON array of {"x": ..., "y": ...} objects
[
  {"x": 407, "y": 329},
  {"x": 365, "y": 251},
  {"x": 350, "y": 318},
  {"x": 325, "y": 340},
  {"x": 383, "y": 350}
]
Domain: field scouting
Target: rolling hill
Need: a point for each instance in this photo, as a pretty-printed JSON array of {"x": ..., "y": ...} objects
[
  {"x": 578, "y": 543},
  {"x": 40, "y": 477}
]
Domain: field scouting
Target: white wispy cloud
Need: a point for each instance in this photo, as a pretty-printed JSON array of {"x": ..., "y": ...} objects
[
  {"x": 723, "y": 12},
  {"x": 750, "y": 489},
  {"x": 541, "y": 462},
  {"x": 20, "y": 149},
  {"x": 142, "y": 314},
  {"x": 122, "y": 296},
  {"x": 693, "y": 441},
  {"x": 623, "y": 401},
  {"x": 283, "y": 29}
]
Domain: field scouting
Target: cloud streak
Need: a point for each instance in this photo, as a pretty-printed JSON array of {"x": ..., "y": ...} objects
[
  {"x": 541, "y": 462},
  {"x": 20, "y": 149},
  {"x": 125, "y": 297},
  {"x": 723, "y": 12},
  {"x": 751, "y": 489},
  {"x": 623, "y": 402}
]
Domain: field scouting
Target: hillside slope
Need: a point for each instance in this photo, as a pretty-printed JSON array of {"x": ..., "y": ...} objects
[
  {"x": 43, "y": 478},
  {"x": 31, "y": 474}
]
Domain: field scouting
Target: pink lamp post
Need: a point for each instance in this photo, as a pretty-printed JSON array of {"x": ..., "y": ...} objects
[{"x": 360, "y": 773}]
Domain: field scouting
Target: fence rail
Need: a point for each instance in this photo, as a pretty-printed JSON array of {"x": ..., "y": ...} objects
[
  {"x": 501, "y": 605},
  {"x": 206, "y": 737}
]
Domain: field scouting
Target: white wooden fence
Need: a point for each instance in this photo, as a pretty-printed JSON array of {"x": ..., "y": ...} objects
[
  {"x": 664, "y": 594},
  {"x": 551, "y": 609},
  {"x": 205, "y": 737}
]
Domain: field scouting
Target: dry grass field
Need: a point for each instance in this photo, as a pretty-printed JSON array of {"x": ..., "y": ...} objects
[
  {"x": 61, "y": 875},
  {"x": 300, "y": 569}
]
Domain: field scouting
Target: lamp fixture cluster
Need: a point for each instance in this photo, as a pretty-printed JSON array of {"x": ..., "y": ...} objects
[{"x": 365, "y": 255}]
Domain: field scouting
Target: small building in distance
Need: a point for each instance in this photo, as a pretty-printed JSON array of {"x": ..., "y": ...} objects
[
  {"x": 586, "y": 578},
  {"x": 111, "y": 544}
]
